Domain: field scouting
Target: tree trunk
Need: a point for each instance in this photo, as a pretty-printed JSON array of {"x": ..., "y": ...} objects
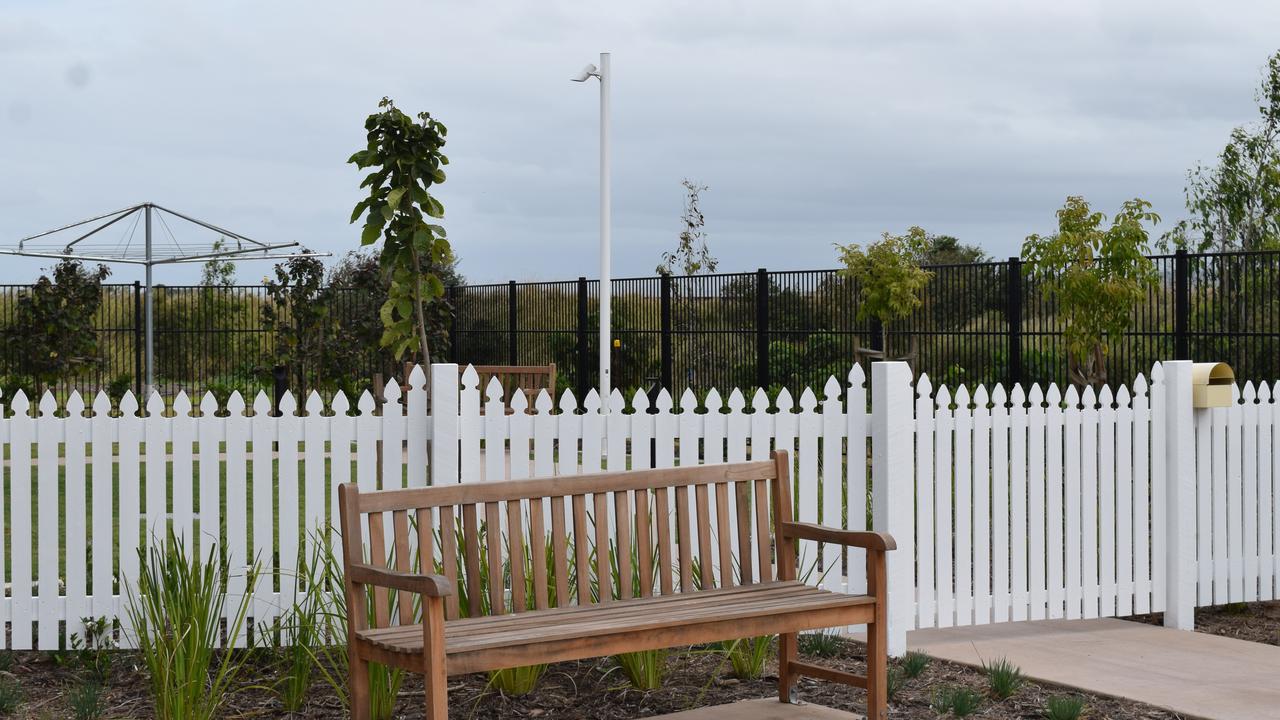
[{"x": 418, "y": 311}]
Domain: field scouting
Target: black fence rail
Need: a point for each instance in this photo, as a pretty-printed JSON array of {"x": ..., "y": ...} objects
[{"x": 979, "y": 323}]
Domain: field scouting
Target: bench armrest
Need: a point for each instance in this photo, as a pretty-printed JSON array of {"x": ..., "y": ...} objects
[
  {"x": 879, "y": 541},
  {"x": 430, "y": 585}
]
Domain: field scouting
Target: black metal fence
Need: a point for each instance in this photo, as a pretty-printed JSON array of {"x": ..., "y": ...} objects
[{"x": 980, "y": 323}]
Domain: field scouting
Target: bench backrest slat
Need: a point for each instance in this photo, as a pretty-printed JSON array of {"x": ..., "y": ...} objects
[{"x": 513, "y": 546}]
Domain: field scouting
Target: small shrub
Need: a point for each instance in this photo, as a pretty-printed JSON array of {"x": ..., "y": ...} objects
[
  {"x": 1064, "y": 707},
  {"x": 748, "y": 655},
  {"x": 959, "y": 701},
  {"x": 645, "y": 669},
  {"x": 10, "y": 696},
  {"x": 824, "y": 644},
  {"x": 1003, "y": 677},
  {"x": 914, "y": 663},
  {"x": 85, "y": 700},
  {"x": 91, "y": 653},
  {"x": 517, "y": 680}
]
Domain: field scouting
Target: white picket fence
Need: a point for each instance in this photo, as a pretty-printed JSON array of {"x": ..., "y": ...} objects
[{"x": 1006, "y": 505}]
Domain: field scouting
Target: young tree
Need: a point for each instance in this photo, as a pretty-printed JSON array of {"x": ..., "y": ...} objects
[
  {"x": 691, "y": 255},
  {"x": 1096, "y": 275},
  {"x": 298, "y": 319},
  {"x": 890, "y": 279},
  {"x": 406, "y": 158},
  {"x": 52, "y": 333},
  {"x": 218, "y": 272},
  {"x": 1235, "y": 205}
]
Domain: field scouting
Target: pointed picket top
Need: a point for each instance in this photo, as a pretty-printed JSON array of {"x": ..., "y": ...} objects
[
  {"x": 998, "y": 396},
  {"x": 784, "y": 403},
  {"x": 568, "y": 403},
  {"x": 493, "y": 391},
  {"x": 182, "y": 404},
  {"x": 713, "y": 402},
  {"x": 640, "y": 402},
  {"x": 75, "y": 404},
  {"x": 1072, "y": 398},
  {"x": 943, "y": 400},
  {"x": 663, "y": 403},
  {"x": 962, "y": 398},
  {"x": 543, "y": 403},
  {"x": 1017, "y": 398},
  {"x": 21, "y": 404},
  {"x": 832, "y": 388},
  {"x": 591, "y": 403},
  {"x": 519, "y": 403},
  {"x": 314, "y": 404},
  {"x": 1089, "y": 399},
  {"x": 365, "y": 404},
  {"x": 808, "y": 401},
  {"x": 391, "y": 392},
  {"x": 760, "y": 401},
  {"x": 1105, "y": 398},
  {"x": 1140, "y": 385},
  {"x": 128, "y": 404},
  {"x": 208, "y": 405},
  {"x": 155, "y": 405},
  {"x": 617, "y": 403},
  {"x": 1054, "y": 396},
  {"x": 48, "y": 404},
  {"x": 340, "y": 404},
  {"x": 980, "y": 397},
  {"x": 417, "y": 378},
  {"x": 857, "y": 377},
  {"x": 288, "y": 406},
  {"x": 1036, "y": 396},
  {"x": 1122, "y": 397},
  {"x": 102, "y": 404},
  {"x": 470, "y": 378},
  {"x": 235, "y": 403},
  {"x": 1157, "y": 374},
  {"x": 737, "y": 403},
  {"x": 1235, "y": 394},
  {"x": 924, "y": 388},
  {"x": 1264, "y": 393},
  {"x": 688, "y": 401},
  {"x": 1250, "y": 394}
]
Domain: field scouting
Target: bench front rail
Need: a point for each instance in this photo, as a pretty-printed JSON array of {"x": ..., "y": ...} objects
[{"x": 537, "y": 571}]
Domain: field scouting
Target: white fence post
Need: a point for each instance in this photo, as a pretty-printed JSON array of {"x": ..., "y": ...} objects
[
  {"x": 445, "y": 387},
  {"x": 1180, "y": 497},
  {"x": 893, "y": 489}
]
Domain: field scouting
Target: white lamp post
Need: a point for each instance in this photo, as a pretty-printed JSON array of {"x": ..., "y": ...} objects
[{"x": 603, "y": 74}]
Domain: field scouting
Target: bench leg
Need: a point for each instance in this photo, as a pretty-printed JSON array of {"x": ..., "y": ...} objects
[
  {"x": 877, "y": 641},
  {"x": 435, "y": 675},
  {"x": 786, "y": 655},
  {"x": 359, "y": 685}
]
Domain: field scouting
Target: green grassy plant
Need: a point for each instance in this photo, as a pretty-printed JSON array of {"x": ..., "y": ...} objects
[
  {"x": 896, "y": 682},
  {"x": 86, "y": 700},
  {"x": 517, "y": 680},
  {"x": 959, "y": 701},
  {"x": 914, "y": 663},
  {"x": 747, "y": 655},
  {"x": 645, "y": 669},
  {"x": 824, "y": 644},
  {"x": 1064, "y": 707},
  {"x": 176, "y": 610},
  {"x": 303, "y": 630},
  {"x": 10, "y": 696},
  {"x": 1003, "y": 677}
]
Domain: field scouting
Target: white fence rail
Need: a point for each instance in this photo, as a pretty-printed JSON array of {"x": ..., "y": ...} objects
[{"x": 1007, "y": 504}]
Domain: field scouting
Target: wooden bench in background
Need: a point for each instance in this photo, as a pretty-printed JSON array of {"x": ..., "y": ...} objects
[
  {"x": 531, "y": 379},
  {"x": 663, "y": 598}
]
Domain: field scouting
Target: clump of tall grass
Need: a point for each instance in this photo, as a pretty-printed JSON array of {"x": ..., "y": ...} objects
[
  {"x": 1064, "y": 707},
  {"x": 1003, "y": 677},
  {"x": 959, "y": 701},
  {"x": 176, "y": 609},
  {"x": 823, "y": 643},
  {"x": 747, "y": 656}
]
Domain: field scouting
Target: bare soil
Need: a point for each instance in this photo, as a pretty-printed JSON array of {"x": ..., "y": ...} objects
[
  {"x": 586, "y": 690},
  {"x": 1255, "y": 622}
]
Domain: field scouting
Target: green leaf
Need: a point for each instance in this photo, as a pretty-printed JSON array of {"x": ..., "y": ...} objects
[
  {"x": 370, "y": 234},
  {"x": 393, "y": 198}
]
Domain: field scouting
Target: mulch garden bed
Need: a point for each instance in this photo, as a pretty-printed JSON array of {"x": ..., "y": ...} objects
[
  {"x": 586, "y": 690},
  {"x": 1255, "y": 622}
]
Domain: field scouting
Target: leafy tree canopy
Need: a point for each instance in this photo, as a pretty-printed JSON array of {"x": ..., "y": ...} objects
[
  {"x": 52, "y": 333},
  {"x": 890, "y": 279},
  {"x": 1096, "y": 275},
  {"x": 1235, "y": 205}
]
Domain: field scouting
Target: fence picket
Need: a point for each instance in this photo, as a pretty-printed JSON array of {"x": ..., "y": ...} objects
[
  {"x": 831, "y": 511},
  {"x": 1038, "y": 592},
  {"x": 1089, "y": 424},
  {"x": 963, "y": 447},
  {"x": 1249, "y": 494},
  {"x": 101, "y": 541},
  {"x": 943, "y": 489},
  {"x": 1072, "y": 491},
  {"x": 1000, "y": 509},
  {"x": 1141, "y": 496},
  {"x": 20, "y": 514},
  {"x": 1018, "y": 529},
  {"x": 1054, "y": 519},
  {"x": 1235, "y": 502},
  {"x": 1106, "y": 503},
  {"x": 1124, "y": 502},
  {"x": 981, "y": 506},
  {"x": 856, "y": 479},
  {"x": 77, "y": 514}
]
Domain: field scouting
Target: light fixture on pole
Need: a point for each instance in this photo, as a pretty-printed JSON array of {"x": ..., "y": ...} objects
[{"x": 602, "y": 74}]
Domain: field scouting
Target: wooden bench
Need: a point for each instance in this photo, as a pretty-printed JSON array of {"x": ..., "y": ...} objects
[
  {"x": 665, "y": 595},
  {"x": 530, "y": 379}
]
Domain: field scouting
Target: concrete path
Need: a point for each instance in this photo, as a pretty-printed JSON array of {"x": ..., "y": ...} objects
[
  {"x": 1194, "y": 674},
  {"x": 768, "y": 709}
]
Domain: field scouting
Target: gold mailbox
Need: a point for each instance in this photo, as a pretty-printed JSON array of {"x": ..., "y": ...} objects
[{"x": 1211, "y": 384}]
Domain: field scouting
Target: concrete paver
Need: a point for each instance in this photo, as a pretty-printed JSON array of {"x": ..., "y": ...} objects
[
  {"x": 1195, "y": 674},
  {"x": 767, "y": 709}
]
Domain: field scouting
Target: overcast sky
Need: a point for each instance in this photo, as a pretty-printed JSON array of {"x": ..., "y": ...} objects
[{"x": 812, "y": 122}]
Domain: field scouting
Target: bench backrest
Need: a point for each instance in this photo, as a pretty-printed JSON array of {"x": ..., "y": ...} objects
[
  {"x": 661, "y": 531},
  {"x": 529, "y": 379}
]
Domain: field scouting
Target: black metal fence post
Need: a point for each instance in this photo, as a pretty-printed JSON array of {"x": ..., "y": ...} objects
[
  {"x": 1181, "y": 306},
  {"x": 454, "y": 309},
  {"x": 762, "y": 328},
  {"x": 582, "y": 339},
  {"x": 280, "y": 383},
  {"x": 137, "y": 341},
  {"x": 512, "y": 348},
  {"x": 665, "y": 340},
  {"x": 1013, "y": 311}
]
